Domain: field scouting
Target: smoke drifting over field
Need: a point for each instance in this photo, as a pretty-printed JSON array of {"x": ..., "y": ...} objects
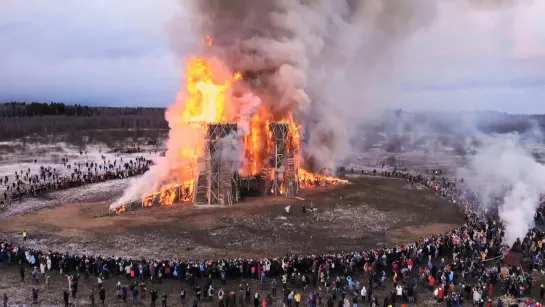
[{"x": 504, "y": 173}]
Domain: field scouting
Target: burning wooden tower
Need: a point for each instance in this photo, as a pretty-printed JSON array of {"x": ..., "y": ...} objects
[
  {"x": 217, "y": 182},
  {"x": 282, "y": 172}
]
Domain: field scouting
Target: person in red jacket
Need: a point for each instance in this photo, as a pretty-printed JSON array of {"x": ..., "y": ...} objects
[
  {"x": 431, "y": 282},
  {"x": 440, "y": 294},
  {"x": 410, "y": 264}
]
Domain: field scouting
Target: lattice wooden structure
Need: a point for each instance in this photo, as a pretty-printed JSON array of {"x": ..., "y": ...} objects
[
  {"x": 216, "y": 182},
  {"x": 284, "y": 168}
]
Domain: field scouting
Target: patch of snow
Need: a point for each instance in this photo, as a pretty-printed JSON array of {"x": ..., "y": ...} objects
[{"x": 97, "y": 192}]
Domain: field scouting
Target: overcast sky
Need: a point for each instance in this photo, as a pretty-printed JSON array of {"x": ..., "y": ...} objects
[{"x": 117, "y": 53}]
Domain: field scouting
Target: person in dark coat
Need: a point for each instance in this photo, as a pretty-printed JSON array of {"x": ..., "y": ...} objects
[
  {"x": 256, "y": 300},
  {"x": 124, "y": 294},
  {"x": 102, "y": 295},
  {"x": 153, "y": 297},
  {"x": 34, "y": 296},
  {"x": 164, "y": 300},
  {"x": 22, "y": 273},
  {"x": 65, "y": 296}
]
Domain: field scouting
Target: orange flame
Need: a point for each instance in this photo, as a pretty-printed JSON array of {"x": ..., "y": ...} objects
[
  {"x": 207, "y": 100},
  {"x": 167, "y": 196},
  {"x": 121, "y": 209},
  {"x": 147, "y": 201},
  {"x": 307, "y": 179}
]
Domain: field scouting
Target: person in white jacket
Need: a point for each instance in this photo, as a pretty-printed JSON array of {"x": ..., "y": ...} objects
[{"x": 363, "y": 293}]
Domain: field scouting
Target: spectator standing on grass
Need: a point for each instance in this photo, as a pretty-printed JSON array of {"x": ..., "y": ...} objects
[
  {"x": 5, "y": 300},
  {"x": 221, "y": 298},
  {"x": 164, "y": 300},
  {"x": 24, "y": 235},
  {"x": 92, "y": 297},
  {"x": 124, "y": 294},
  {"x": 22, "y": 272},
  {"x": 297, "y": 299},
  {"x": 35, "y": 275},
  {"x": 118, "y": 290},
  {"x": 65, "y": 297},
  {"x": 74, "y": 288},
  {"x": 102, "y": 295},
  {"x": 248, "y": 294},
  {"x": 34, "y": 296},
  {"x": 273, "y": 287},
  {"x": 143, "y": 290},
  {"x": 198, "y": 292},
  {"x": 135, "y": 295},
  {"x": 153, "y": 294},
  {"x": 182, "y": 297},
  {"x": 256, "y": 299}
]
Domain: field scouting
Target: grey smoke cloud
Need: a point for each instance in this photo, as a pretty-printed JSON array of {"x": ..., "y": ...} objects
[
  {"x": 503, "y": 172},
  {"x": 316, "y": 59}
]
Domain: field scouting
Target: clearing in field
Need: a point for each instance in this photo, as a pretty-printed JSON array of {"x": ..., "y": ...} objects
[{"x": 369, "y": 212}]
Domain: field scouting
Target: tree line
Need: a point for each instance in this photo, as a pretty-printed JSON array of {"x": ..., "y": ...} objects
[
  {"x": 24, "y": 109},
  {"x": 24, "y": 120}
]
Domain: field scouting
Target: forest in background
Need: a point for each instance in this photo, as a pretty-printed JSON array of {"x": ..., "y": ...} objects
[{"x": 57, "y": 121}]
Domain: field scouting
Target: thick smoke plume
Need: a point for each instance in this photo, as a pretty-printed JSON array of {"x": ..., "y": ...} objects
[
  {"x": 504, "y": 173},
  {"x": 313, "y": 59}
]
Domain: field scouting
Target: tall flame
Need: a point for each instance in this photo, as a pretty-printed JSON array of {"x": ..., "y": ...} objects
[{"x": 207, "y": 101}]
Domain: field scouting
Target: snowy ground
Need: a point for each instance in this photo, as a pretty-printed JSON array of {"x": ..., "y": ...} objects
[
  {"x": 425, "y": 153},
  {"x": 99, "y": 192},
  {"x": 20, "y": 158},
  {"x": 16, "y": 158}
]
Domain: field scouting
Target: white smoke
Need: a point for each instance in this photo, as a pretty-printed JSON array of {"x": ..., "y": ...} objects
[{"x": 502, "y": 167}]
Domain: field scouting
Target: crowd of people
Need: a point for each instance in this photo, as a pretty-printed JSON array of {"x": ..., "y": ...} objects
[
  {"x": 68, "y": 175},
  {"x": 465, "y": 266}
]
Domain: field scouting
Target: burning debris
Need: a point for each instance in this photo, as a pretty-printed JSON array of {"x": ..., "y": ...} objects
[{"x": 225, "y": 144}]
